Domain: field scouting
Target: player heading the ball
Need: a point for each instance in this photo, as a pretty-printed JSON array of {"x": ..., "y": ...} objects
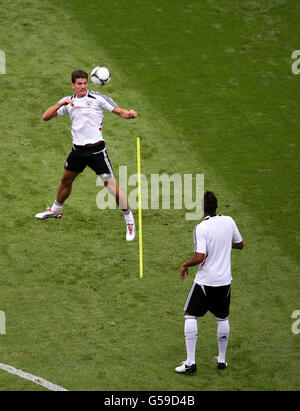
[{"x": 85, "y": 109}]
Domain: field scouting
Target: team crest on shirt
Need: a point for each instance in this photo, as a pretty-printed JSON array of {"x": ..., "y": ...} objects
[{"x": 88, "y": 103}]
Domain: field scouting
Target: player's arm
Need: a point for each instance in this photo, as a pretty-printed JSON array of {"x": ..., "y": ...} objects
[
  {"x": 237, "y": 241},
  {"x": 196, "y": 260},
  {"x": 127, "y": 114},
  {"x": 52, "y": 111},
  {"x": 238, "y": 246}
]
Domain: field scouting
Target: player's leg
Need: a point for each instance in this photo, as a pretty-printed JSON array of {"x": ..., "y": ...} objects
[
  {"x": 65, "y": 186},
  {"x": 118, "y": 194},
  {"x": 195, "y": 306},
  {"x": 74, "y": 165},
  {"x": 219, "y": 303},
  {"x": 63, "y": 192},
  {"x": 121, "y": 200},
  {"x": 190, "y": 336},
  {"x": 100, "y": 163},
  {"x": 223, "y": 330},
  {"x": 64, "y": 189}
]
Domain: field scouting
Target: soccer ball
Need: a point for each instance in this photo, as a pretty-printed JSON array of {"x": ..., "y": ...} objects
[{"x": 100, "y": 76}]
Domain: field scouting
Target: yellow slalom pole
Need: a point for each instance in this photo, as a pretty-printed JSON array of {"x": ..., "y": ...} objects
[{"x": 140, "y": 205}]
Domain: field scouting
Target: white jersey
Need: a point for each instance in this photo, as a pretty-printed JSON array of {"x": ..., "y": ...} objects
[
  {"x": 214, "y": 237},
  {"x": 86, "y": 116}
]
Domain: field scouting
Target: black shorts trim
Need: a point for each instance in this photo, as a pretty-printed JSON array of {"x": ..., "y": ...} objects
[
  {"x": 94, "y": 157},
  {"x": 203, "y": 298}
]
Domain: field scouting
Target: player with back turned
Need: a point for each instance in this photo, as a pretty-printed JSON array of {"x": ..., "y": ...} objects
[
  {"x": 85, "y": 109},
  {"x": 214, "y": 239}
]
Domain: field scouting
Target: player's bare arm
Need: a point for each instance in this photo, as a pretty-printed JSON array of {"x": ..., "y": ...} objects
[
  {"x": 238, "y": 246},
  {"x": 196, "y": 260},
  {"x": 127, "y": 114},
  {"x": 52, "y": 111}
]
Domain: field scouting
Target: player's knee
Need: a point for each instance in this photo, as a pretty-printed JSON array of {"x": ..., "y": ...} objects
[
  {"x": 186, "y": 314},
  {"x": 220, "y": 319}
]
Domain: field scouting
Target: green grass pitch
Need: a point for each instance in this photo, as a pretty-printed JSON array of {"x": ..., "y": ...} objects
[{"x": 213, "y": 85}]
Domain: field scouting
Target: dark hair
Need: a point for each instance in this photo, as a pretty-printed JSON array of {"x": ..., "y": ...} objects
[
  {"x": 78, "y": 74},
  {"x": 210, "y": 203}
]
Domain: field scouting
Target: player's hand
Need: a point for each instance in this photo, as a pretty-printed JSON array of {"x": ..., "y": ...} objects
[
  {"x": 183, "y": 271},
  {"x": 67, "y": 101},
  {"x": 132, "y": 114}
]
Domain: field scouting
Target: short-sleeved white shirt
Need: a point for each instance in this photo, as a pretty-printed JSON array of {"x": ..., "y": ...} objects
[
  {"x": 86, "y": 116},
  {"x": 214, "y": 237}
]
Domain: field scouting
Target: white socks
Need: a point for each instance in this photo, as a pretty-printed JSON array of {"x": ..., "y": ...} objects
[
  {"x": 57, "y": 207},
  {"x": 128, "y": 217},
  {"x": 191, "y": 335},
  {"x": 223, "y": 335}
]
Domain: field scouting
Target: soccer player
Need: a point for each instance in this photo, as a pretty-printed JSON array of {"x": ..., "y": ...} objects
[
  {"x": 85, "y": 109},
  {"x": 214, "y": 238}
]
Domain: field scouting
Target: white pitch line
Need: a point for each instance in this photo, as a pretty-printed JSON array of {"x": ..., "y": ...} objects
[{"x": 33, "y": 378}]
